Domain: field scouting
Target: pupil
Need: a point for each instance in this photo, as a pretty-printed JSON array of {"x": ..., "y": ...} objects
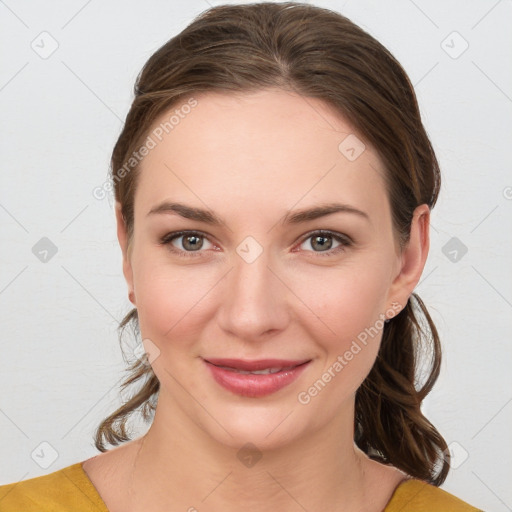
[
  {"x": 323, "y": 245},
  {"x": 192, "y": 246}
]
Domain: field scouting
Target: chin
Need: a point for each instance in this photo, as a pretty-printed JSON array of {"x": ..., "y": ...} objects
[{"x": 265, "y": 426}]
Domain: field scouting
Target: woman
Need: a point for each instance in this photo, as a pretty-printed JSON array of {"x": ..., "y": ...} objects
[{"x": 273, "y": 186}]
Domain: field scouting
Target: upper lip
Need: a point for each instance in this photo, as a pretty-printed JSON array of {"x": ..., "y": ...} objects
[{"x": 260, "y": 364}]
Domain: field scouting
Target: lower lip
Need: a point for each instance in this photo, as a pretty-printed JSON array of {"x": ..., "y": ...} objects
[{"x": 254, "y": 385}]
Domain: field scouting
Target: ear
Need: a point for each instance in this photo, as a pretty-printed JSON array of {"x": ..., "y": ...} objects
[
  {"x": 122, "y": 236},
  {"x": 413, "y": 258}
]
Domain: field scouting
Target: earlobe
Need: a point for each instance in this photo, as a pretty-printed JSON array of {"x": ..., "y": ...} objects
[
  {"x": 122, "y": 236},
  {"x": 413, "y": 257}
]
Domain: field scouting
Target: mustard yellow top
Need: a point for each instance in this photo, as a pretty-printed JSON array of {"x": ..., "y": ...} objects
[{"x": 70, "y": 490}]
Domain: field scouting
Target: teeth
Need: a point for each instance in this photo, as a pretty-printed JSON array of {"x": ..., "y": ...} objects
[{"x": 266, "y": 371}]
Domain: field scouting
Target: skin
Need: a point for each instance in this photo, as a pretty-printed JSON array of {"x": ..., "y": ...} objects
[{"x": 250, "y": 159}]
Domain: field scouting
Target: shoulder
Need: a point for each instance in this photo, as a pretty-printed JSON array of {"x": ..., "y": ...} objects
[
  {"x": 419, "y": 496},
  {"x": 61, "y": 491}
]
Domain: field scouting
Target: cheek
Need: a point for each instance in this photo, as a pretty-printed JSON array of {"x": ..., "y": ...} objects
[
  {"x": 169, "y": 300},
  {"x": 343, "y": 303},
  {"x": 347, "y": 329},
  {"x": 346, "y": 324},
  {"x": 334, "y": 306}
]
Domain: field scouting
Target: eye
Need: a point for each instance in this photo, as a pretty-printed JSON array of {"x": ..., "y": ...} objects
[
  {"x": 193, "y": 241},
  {"x": 191, "y": 244},
  {"x": 323, "y": 241}
]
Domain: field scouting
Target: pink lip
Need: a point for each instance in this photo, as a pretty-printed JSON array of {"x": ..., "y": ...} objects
[{"x": 254, "y": 385}]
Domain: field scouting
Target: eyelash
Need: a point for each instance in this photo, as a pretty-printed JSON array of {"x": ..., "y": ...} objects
[{"x": 343, "y": 239}]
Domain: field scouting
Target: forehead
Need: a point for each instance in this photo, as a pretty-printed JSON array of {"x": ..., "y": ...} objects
[{"x": 266, "y": 148}]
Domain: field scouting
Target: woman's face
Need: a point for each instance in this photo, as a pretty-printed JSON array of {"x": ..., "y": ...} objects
[{"x": 262, "y": 283}]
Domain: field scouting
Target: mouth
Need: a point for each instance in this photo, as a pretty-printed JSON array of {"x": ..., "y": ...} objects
[{"x": 255, "y": 378}]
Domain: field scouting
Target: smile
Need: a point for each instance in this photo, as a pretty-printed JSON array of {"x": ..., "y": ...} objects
[{"x": 255, "y": 378}]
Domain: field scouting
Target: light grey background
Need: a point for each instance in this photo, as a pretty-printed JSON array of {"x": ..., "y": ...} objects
[{"x": 61, "y": 363}]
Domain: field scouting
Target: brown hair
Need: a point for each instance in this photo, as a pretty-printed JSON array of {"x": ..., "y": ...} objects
[{"x": 318, "y": 53}]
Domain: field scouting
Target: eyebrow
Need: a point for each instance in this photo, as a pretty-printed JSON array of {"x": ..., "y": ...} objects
[{"x": 291, "y": 217}]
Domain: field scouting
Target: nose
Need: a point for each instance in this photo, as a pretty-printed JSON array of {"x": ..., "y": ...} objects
[{"x": 254, "y": 299}]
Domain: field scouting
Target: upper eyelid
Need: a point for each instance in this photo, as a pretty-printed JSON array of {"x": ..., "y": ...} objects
[{"x": 178, "y": 234}]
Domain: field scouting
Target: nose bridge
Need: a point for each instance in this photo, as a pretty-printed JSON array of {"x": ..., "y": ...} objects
[{"x": 254, "y": 298}]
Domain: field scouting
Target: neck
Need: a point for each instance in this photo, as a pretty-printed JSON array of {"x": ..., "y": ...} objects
[{"x": 177, "y": 466}]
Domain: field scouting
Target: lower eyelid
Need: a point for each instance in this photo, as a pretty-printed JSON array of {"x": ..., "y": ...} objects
[
  {"x": 343, "y": 240},
  {"x": 339, "y": 237},
  {"x": 172, "y": 237}
]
